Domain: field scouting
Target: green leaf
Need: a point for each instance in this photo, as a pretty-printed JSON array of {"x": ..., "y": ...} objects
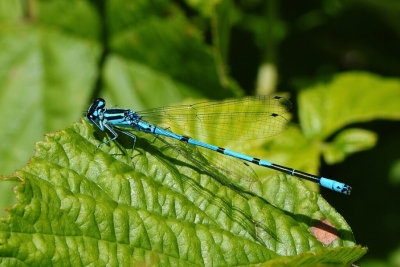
[
  {"x": 81, "y": 18},
  {"x": 394, "y": 175},
  {"x": 347, "y": 142},
  {"x": 330, "y": 258},
  {"x": 45, "y": 77},
  {"x": 123, "y": 87},
  {"x": 348, "y": 98},
  {"x": 11, "y": 10},
  {"x": 115, "y": 206},
  {"x": 183, "y": 55}
]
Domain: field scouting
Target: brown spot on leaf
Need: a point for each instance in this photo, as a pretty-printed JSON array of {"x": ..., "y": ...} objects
[{"x": 325, "y": 232}]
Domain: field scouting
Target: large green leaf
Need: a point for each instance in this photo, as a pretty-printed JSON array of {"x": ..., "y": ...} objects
[
  {"x": 113, "y": 206},
  {"x": 45, "y": 80}
]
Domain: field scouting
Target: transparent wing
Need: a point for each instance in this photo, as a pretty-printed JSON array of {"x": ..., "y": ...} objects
[
  {"x": 224, "y": 169},
  {"x": 240, "y": 119}
]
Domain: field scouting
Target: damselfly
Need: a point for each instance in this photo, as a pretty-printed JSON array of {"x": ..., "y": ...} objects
[{"x": 242, "y": 119}]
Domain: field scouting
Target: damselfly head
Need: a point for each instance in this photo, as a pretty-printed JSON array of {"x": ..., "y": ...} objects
[{"x": 95, "y": 110}]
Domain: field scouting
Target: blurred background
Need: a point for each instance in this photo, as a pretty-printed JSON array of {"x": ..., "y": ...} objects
[{"x": 337, "y": 61}]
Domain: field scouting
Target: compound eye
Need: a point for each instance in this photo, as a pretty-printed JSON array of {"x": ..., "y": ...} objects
[{"x": 90, "y": 117}]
